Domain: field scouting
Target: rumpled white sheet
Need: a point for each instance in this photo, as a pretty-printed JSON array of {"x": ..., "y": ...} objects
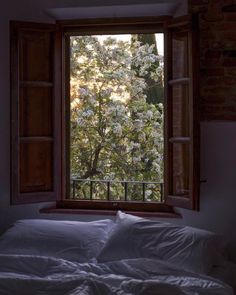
[{"x": 35, "y": 275}]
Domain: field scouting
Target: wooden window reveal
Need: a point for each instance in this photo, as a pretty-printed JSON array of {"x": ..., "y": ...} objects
[{"x": 35, "y": 112}]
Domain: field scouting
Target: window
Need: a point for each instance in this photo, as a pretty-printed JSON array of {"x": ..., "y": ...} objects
[{"x": 45, "y": 163}]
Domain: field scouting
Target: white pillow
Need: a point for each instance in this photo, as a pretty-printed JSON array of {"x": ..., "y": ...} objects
[
  {"x": 71, "y": 240},
  {"x": 184, "y": 247}
]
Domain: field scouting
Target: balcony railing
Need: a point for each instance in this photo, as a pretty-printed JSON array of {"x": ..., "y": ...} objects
[{"x": 110, "y": 190}]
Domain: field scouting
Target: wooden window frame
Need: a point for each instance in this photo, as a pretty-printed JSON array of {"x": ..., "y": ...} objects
[
  {"x": 103, "y": 26},
  {"x": 64, "y": 29}
]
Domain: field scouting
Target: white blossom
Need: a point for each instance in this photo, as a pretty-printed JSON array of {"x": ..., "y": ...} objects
[
  {"x": 157, "y": 141},
  {"x": 87, "y": 113},
  {"x": 138, "y": 124},
  {"x": 142, "y": 137},
  {"x": 92, "y": 99},
  {"x": 136, "y": 159},
  {"x": 149, "y": 114},
  {"x": 110, "y": 176},
  {"x": 107, "y": 92},
  {"x": 156, "y": 125},
  {"x": 155, "y": 165},
  {"x": 83, "y": 92},
  {"x": 134, "y": 145},
  {"x": 117, "y": 129},
  {"x": 81, "y": 122}
]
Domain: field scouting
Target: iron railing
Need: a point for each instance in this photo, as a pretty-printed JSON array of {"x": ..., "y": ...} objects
[{"x": 88, "y": 189}]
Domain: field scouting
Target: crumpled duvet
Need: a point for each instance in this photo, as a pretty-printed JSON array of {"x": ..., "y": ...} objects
[{"x": 36, "y": 275}]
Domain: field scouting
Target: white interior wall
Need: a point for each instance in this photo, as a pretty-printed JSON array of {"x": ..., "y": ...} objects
[
  {"x": 218, "y": 145},
  {"x": 218, "y": 194}
]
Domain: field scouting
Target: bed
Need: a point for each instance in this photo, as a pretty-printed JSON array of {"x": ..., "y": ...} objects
[{"x": 129, "y": 256}]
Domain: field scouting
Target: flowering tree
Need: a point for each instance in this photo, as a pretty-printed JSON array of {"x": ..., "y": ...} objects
[{"x": 115, "y": 132}]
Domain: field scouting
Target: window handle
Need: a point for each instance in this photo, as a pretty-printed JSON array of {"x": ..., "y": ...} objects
[{"x": 203, "y": 180}]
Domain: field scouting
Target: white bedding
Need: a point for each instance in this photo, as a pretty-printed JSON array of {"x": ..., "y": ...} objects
[
  {"x": 72, "y": 240},
  {"x": 35, "y": 275}
]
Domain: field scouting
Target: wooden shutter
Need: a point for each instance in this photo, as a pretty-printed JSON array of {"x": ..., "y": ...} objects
[
  {"x": 181, "y": 113},
  {"x": 35, "y": 112}
]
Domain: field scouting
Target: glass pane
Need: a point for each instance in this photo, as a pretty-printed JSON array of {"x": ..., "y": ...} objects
[
  {"x": 180, "y": 55},
  {"x": 180, "y": 109},
  {"x": 180, "y": 185}
]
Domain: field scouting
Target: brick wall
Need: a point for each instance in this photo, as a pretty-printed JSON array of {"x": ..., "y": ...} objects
[{"x": 218, "y": 59}]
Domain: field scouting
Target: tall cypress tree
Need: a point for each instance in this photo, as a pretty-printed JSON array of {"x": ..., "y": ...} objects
[{"x": 154, "y": 92}]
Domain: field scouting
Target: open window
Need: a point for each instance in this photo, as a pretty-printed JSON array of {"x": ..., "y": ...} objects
[{"x": 41, "y": 117}]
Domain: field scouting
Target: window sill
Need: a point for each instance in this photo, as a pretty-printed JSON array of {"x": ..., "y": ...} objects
[{"x": 74, "y": 207}]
